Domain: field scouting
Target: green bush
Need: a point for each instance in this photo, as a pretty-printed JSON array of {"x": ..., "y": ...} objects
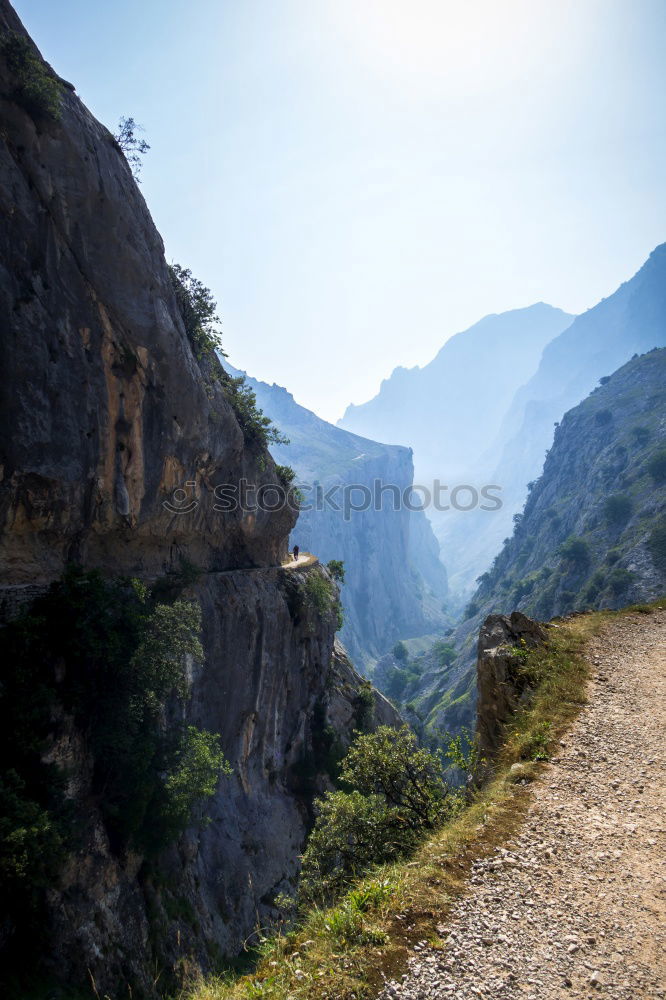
[
  {"x": 575, "y": 551},
  {"x": 321, "y": 597},
  {"x": 641, "y": 435},
  {"x": 397, "y": 794},
  {"x": 349, "y": 836},
  {"x": 463, "y": 752},
  {"x": 657, "y": 546},
  {"x": 594, "y": 587},
  {"x": 603, "y": 417},
  {"x": 364, "y": 707},
  {"x": 197, "y": 308},
  {"x": 657, "y": 467},
  {"x": 617, "y": 509},
  {"x": 444, "y": 652},
  {"x": 567, "y": 599},
  {"x": 400, "y": 652},
  {"x": 336, "y": 568},
  {"x": 134, "y": 148},
  {"x": 35, "y": 88},
  {"x": 619, "y": 581},
  {"x": 197, "y": 766},
  {"x": 256, "y": 426},
  {"x": 522, "y": 588},
  {"x": 471, "y": 610},
  {"x": 286, "y": 475},
  {"x": 396, "y": 682},
  {"x": 119, "y": 658}
]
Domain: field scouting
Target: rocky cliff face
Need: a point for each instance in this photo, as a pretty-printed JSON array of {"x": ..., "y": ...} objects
[
  {"x": 104, "y": 408},
  {"x": 395, "y": 583},
  {"x": 270, "y": 683},
  {"x": 106, "y": 412}
]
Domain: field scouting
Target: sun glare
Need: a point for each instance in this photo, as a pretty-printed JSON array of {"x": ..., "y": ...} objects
[{"x": 471, "y": 44}]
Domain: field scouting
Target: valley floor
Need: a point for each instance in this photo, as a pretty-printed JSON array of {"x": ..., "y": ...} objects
[{"x": 575, "y": 904}]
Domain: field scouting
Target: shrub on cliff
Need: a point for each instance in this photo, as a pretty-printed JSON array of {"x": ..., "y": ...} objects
[
  {"x": 396, "y": 795},
  {"x": 111, "y": 658},
  {"x": 132, "y": 146},
  {"x": 336, "y": 568},
  {"x": 617, "y": 509},
  {"x": 321, "y": 597},
  {"x": 619, "y": 581},
  {"x": 657, "y": 546},
  {"x": 256, "y": 426},
  {"x": 657, "y": 467},
  {"x": 35, "y": 87},
  {"x": 445, "y": 652},
  {"x": 401, "y": 652},
  {"x": 198, "y": 310},
  {"x": 576, "y": 552}
]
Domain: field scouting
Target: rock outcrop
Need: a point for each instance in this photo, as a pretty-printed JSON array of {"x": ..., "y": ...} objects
[
  {"x": 114, "y": 439},
  {"x": 500, "y": 684}
]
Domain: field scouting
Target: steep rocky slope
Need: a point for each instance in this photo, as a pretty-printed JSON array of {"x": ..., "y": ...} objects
[
  {"x": 395, "y": 583},
  {"x": 106, "y": 411},
  {"x": 593, "y": 531},
  {"x": 631, "y": 321}
]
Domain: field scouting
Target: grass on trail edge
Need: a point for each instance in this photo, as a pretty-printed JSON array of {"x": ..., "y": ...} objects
[{"x": 347, "y": 951}]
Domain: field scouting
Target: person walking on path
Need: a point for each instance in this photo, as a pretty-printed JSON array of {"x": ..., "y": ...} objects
[{"x": 296, "y": 551}]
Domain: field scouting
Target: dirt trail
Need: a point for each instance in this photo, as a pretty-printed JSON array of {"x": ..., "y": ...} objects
[{"x": 575, "y": 905}]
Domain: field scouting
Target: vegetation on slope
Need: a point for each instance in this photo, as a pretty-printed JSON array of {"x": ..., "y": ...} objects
[
  {"x": 36, "y": 88},
  {"x": 107, "y": 659},
  {"x": 198, "y": 310},
  {"x": 589, "y": 534},
  {"x": 344, "y": 951},
  {"x": 592, "y": 534}
]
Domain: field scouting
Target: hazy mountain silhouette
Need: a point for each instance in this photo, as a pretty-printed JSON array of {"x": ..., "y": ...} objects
[
  {"x": 631, "y": 321},
  {"x": 448, "y": 411}
]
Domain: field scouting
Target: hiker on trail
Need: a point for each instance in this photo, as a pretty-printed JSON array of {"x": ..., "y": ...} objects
[{"x": 296, "y": 551}]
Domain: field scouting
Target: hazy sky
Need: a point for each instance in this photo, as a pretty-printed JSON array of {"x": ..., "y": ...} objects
[{"x": 356, "y": 180}]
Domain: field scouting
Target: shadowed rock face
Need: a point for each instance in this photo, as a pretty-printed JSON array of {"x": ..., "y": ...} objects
[
  {"x": 105, "y": 411},
  {"x": 500, "y": 686},
  {"x": 271, "y": 677}
]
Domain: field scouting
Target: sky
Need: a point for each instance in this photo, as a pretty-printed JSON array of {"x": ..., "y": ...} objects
[{"x": 357, "y": 180}]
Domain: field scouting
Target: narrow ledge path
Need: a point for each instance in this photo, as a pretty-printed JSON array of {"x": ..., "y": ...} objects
[{"x": 575, "y": 905}]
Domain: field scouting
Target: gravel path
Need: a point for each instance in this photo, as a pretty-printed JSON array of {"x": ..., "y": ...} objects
[{"x": 575, "y": 905}]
